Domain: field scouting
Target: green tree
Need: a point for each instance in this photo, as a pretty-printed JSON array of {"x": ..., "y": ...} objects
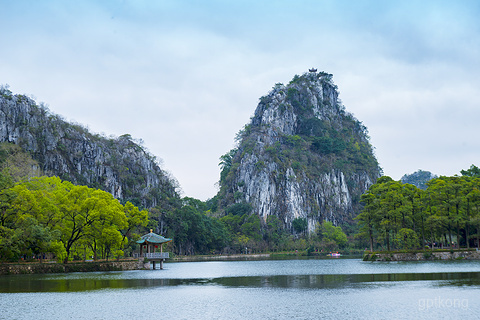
[
  {"x": 299, "y": 225},
  {"x": 473, "y": 208},
  {"x": 406, "y": 238},
  {"x": 45, "y": 214},
  {"x": 414, "y": 209},
  {"x": 251, "y": 227},
  {"x": 368, "y": 218},
  {"x": 7, "y": 216},
  {"x": 239, "y": 209},
  {"x": 82, "y": 208},
  {"x": 474, "y": 171},
  {"x": 36, "y": 238},
  {"x": 193, "y": 231},
  {"x": 388, "y": 207},
  {"x": 384, "y": 212},
  {"x": 330, "y": 233},
  {"x": 275, "y": 234},
  {"x": 78, "y": 213},
  {"x": 226, "y": 162},
  {"x": 135, "y": 220},
  {"x": 10, "y": 243},
  {"x": 405, "y": 213},
  {"x": 449, "y": 199}
]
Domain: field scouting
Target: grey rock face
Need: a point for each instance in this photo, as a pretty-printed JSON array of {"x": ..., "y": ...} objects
[
  {"x": 302, "y": 156},
  {"x": 119, "y": 166},
  {"x": 419, "y": 178}
]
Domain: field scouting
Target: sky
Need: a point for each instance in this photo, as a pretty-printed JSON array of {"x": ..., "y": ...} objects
[{"x": 185, "y": 76}]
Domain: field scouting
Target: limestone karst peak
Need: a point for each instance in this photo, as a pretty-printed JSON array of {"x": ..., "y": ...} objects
[{"x": 301, "y": 156}]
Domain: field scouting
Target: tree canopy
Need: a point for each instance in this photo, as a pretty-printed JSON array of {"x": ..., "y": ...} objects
[
  {"x": 400, "y": 215},
  {"x": 46, "y": 214}
]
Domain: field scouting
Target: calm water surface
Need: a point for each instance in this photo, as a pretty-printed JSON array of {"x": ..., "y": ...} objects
[{"x": 272, "y": 289}]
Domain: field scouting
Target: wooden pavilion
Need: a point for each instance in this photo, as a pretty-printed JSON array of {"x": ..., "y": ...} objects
[{"x": 149, "y": 244}]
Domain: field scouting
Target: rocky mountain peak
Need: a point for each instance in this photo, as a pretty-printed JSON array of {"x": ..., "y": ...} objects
[{"x": 302, "y": 156}]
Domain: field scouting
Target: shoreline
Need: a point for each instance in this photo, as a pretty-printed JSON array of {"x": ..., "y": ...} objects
[
  {"x": 74, "y": 266},
  {"x": 423, "y": 255},
  {"x": 134, "y": 264}
]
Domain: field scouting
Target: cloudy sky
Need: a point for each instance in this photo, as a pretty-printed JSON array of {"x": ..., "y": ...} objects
[{"x": 186, "y": 76}]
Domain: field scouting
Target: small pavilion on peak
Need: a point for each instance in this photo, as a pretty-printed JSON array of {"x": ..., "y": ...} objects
[{"x": 149, "y": 244}]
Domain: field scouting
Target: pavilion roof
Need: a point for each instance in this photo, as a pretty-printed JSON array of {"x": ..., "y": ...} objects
[{"x": 153, "y": 238}]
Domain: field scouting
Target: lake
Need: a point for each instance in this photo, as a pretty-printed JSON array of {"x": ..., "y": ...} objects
[{"x": 270, "y": 289}]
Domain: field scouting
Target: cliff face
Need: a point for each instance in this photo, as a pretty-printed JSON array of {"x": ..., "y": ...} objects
[
  {"x": 302, "y": 156},
  {"x": 119, "y": 166}
]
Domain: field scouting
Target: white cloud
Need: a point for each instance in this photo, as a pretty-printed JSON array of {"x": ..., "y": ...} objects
[{"x": 186, "y": 77}]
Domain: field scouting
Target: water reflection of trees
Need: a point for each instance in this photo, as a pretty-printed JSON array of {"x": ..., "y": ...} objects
[
  {"x": 325, "y": 281},
  {"x": 343, "y": 280}
]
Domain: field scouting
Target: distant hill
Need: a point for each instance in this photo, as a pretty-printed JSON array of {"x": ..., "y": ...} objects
[
  {"x": 116, "y": 165},
  {"x": 419, "y": 178},
  {"x": 302, "y": 156}
]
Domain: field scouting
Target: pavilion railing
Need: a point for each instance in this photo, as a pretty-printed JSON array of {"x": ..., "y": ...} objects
[{"x": 153, "y": 255}]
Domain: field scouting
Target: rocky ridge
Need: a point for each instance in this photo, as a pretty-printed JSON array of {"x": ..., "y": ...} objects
[{"x": 117, "y": 165}]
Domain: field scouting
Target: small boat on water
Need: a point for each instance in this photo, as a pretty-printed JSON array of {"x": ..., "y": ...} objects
[{"x": 334, "y": 254}]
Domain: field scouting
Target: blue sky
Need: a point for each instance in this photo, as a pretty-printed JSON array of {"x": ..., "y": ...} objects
[{"x": 185, "y": 76}]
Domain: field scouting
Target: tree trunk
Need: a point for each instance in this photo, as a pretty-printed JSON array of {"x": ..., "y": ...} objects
[
  {"x": 458, "y": 235},
  {"x": 478, "y": 238},
  {"x": 423, "y": 234},
  {"x": 388, "y": 240},
  {"x": 371, "y": 240},
  {"x": 432, "y": 237},
  {"x": 467, "y": 232},
  {"x": 67, "y": 249}
]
